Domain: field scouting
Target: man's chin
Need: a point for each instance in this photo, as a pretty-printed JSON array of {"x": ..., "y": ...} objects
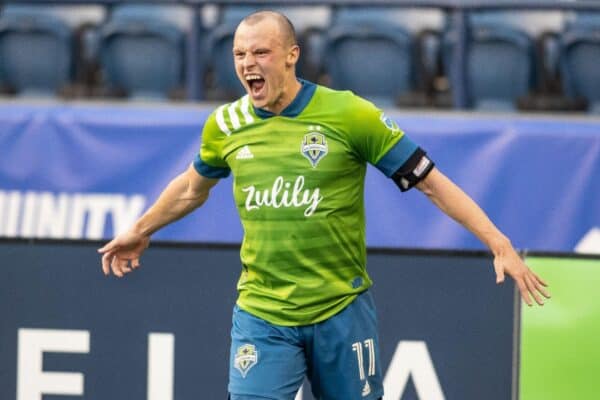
[{"x": 258, "y": 101}]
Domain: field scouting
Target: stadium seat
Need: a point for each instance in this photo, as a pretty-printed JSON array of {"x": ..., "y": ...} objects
[
  {"x": 541, "y": 26},
  {"x": 142, "y": 49},
  {"x": 500, "y": 64},
  {"x": 30, "y": 33},
  {"x": 370, "y": 54},
  {"x": 222, "y": 82},
  {"x": 580, "y": 58},
  {"x": 308, "y": 21}
]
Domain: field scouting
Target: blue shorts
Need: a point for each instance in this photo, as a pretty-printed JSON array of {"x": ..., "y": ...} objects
[{"x": 340, "y": 356}]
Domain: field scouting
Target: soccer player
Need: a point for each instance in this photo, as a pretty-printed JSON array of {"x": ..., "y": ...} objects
[{"x": 298, "y": 154}]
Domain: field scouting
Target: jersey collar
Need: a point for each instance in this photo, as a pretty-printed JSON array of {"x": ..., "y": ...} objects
[{"x": 296, "y": 106}]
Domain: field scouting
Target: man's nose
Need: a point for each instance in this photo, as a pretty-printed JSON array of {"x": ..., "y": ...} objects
[{"x": 248, "y": 61}]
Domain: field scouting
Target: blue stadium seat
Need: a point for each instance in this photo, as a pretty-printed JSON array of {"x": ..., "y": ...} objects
[
  {"x": 32, "y": 32},
  {"x": 580, "y": 59},
  {"x": 224, "y": 83},
  {"x": 142, "y": 49},
  {"x": 36, "y": 56},
  {"x": 500, "y": 67},
  {"x": 541, "y": 26},
  {"x": 374, "y": 62},
  {"x": 370, "y": 54},
  {"x": 500, "y": 64}
]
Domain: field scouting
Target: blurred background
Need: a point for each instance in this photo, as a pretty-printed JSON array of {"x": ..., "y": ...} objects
[{"x": 103, "y": 102}]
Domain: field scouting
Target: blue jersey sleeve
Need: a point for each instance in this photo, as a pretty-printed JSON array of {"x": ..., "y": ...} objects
[
  {"x": 210, "y": 171},
  {"x": 397, "y": 156}
]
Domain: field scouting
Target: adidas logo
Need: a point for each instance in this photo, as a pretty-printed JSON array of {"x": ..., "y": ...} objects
[{"x": 244, "y": 154}]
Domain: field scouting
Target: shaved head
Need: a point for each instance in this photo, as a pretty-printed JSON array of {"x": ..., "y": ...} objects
[
  {"x": 265, "y": 54},
  {"x": 286, "y": 28}
]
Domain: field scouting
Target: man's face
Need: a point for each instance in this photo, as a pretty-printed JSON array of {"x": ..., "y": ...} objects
[{"x": 263, "y": 62}]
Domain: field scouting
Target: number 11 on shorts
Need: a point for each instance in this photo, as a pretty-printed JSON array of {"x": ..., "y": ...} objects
[{"x": 358, "y": 348}]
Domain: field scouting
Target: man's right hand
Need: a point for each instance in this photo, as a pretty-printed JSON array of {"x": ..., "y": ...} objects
[
  {"x": 122, "y": 254},
  {"x": 186, "y": 192}
]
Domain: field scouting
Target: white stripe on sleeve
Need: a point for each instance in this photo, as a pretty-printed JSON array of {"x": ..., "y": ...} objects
[{"x": 221, "y": 120}]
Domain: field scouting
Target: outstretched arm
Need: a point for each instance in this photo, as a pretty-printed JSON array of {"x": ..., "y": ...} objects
[
  {"x": 182, "y": 195},
  {"x": 457, "y": 204}
]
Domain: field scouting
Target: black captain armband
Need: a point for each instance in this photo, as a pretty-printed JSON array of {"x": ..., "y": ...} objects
[{"x": 413, "y": 171}]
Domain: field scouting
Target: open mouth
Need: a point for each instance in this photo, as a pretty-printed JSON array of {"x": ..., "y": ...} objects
[{"x": 256, "y": 84}]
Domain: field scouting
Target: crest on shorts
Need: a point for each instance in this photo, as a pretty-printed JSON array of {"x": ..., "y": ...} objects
[
  {"x": 314, "y": 146},
  {"x": 246, "y": 357}
]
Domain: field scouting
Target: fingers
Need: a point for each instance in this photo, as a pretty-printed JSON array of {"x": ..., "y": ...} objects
[
  {"x": 106, "y": 259},
  {"x": 499, "y": 274},
  {"x": 524, "y": 292},
  {"x": 533, "y": 290},
  {"x": 108, "y": 247},
  {"x": 107, "y": 256},
  {"x": 115, "y": 265},
  {"x": 119, "y": 266},
  {"x": 539, "y": 285},
  {"x": 530, "y": 285},
  {"x": 539, "y": 280},
  {"x": 135, "y": 263},
  {"x": 543, "y": 291}
]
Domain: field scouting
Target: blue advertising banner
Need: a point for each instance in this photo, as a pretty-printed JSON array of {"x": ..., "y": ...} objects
[
  {"x": 83, "y": 171},
  {"x": 447, "y": 331}
]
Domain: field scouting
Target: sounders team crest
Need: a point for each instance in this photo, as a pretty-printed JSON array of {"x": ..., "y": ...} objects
[
  {"x": 314, "y": 147},
  {"x": 390, "y": 124},
  {"x": 246, "y": 357}
]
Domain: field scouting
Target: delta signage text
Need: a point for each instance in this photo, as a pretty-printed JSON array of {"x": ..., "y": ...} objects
[
  {"x": 446, "y": 330},
  {"x": 411, "y": 359}
]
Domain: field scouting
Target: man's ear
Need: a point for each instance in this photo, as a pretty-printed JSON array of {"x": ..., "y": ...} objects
[{"x": 293, "y": 55}]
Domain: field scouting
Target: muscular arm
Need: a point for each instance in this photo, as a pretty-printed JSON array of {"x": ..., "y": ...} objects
[
  {"x": 182, "y": 195},
  {"x": 449, "y": 198}
]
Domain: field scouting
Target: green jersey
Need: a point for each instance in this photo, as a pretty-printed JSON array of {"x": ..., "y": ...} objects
[{"x": 298, "y": 186}]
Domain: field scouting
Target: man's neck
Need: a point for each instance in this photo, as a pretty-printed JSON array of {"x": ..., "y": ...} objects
[{"x": 289, "y": 94}]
